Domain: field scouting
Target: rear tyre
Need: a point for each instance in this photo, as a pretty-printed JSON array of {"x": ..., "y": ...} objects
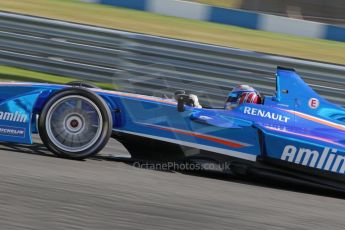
[{"x": 75, "y": 123}]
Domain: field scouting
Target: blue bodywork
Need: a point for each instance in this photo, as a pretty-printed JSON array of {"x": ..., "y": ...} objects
[{"x": 295, "y": 128}]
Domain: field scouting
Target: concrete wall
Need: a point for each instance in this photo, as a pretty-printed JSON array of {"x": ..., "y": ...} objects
[{"x": 247, "y": 19}]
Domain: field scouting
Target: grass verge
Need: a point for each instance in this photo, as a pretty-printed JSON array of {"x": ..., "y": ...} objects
[
  {"x": 220, "y": 3},
  {"x": 15, "y": 74}
]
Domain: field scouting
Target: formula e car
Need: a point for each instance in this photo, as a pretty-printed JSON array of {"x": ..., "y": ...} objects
[{"x": 295, "y": 133}]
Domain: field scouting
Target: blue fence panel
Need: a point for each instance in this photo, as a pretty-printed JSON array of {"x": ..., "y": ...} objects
[
  {"x": 133, "y": 4},
  {"x": 335, "y": 33},
  {"x": 234, "y": 17}
]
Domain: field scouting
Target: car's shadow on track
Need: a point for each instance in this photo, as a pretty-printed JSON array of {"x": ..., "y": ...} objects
[
  {"x": 35, "y": 149},
  {"x": 261, "y": 181},
  {"x": 273, "y": 183},
  {"x": 253, "y": 180}
]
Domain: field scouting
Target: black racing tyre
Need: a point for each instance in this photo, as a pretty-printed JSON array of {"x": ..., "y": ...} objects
[
  {"x": 83, "y": 84},
  {"x": 75, "y": 123}
]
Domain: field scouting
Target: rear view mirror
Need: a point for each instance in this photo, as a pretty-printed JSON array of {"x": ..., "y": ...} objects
[
  {"x": 181, "y": 101},
  {"x": 190, "y": 100}
]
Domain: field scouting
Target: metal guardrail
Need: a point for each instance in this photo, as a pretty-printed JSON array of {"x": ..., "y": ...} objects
[{"x": 148, "y": 64}]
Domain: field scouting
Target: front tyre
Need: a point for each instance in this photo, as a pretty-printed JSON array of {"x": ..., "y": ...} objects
[
  {"x": 75, "y": 123},
  {"x": 82, "y": 84}
]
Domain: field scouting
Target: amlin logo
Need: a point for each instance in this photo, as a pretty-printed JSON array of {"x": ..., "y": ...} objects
[
  {"x": 327, "y": 160},
  {"x": 16, "y": 117}
]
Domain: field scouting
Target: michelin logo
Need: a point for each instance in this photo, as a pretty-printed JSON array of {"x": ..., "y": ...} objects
[
  {"x": 265, "y": 114},
  {"x": 327, "y": 160},
  {"x": 12, "y": 131},
  {"x": 15, "y": 117}
]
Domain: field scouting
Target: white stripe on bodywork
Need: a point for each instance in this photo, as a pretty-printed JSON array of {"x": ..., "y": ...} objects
[
  {"x": 227, "y": 152},
  {"x": 317, "y": 120}
]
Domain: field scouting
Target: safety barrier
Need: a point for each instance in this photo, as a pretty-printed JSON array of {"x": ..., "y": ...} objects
[{"x": 149, "y": 64}]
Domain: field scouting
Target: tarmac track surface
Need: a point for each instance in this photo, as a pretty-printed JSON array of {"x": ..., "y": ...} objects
[{"x": 40, "y": 191}]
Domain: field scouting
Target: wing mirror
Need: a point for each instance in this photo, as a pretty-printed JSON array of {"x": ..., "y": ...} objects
[{"x": 182, "y": 99}]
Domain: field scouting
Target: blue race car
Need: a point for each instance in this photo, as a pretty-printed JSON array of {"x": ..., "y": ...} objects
[{"x": 295, "y": 133}]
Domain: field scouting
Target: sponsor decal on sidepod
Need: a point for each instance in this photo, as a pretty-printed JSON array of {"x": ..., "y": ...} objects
[
  {"x": 326, "y": 160},
  {"x": 15, "y": 117},
  {"x": 265, "y": 114}
]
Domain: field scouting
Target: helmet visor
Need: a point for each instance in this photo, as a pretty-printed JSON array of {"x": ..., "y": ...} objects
[{"x": 233, "y": 97}]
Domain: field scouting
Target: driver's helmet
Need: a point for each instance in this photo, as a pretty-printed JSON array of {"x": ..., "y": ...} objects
[{"x": 242, "y": 94}]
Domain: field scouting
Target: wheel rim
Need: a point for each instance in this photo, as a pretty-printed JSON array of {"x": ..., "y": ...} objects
[{"x": 74, "y": 123}]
